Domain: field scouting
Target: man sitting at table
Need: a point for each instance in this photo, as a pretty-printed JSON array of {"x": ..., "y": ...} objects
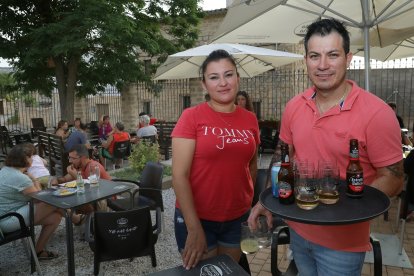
[{"x": 79, "y": 160}]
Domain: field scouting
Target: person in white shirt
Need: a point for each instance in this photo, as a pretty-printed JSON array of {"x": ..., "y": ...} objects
[
  {"x": 147, "y": 129},
  {"x": 38, "y": 168}
]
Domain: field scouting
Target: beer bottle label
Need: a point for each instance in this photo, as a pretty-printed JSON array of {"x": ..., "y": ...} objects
[
  {"x": 285, "y": 189},
  {"x": 356, "y": 182}
]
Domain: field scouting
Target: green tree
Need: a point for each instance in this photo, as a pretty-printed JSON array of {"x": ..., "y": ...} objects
[{"x": 81, "y": 46}]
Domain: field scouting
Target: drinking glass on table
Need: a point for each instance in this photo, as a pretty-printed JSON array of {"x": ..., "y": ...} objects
[
  {"x": 249, "y": 243},
  {"x": 94, "y": 175},
  {"x": 328, "y": 182},
  {"x": 306, "y": 196}
]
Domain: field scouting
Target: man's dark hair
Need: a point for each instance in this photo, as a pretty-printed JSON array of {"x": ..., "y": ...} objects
[
  {"x": 83, "y": 126},
  {"x": 142, "y": 113},
  {"x": 17, "y": 157},
  {"x": 80, "y": 150},
  {"x": 325, "y": 27},
  {"x": 392, "y": 105},
  {"x": 216, "y": 56}
]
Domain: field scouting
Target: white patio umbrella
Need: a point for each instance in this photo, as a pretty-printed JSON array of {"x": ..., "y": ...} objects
[
  {"x": 251, "y": 61},
  {"x": 378, "y": 23},
  {"x": 398, "y": 50}
]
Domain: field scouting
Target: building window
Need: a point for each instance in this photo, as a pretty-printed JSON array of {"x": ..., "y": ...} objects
[
  {"x": 147, "y": 107},
  {"x": 147, "y": 66},
  {"x": 257, "y": 109},
  {"x": 186, "y": 101}
]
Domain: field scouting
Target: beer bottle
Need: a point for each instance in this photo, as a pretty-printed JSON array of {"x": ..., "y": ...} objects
[
  {"x": 285, "y": 177},
  {"x": 354, "y": 172}
]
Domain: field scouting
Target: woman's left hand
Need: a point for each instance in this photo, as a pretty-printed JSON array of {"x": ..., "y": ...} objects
[{"x": 195, "y": 248}]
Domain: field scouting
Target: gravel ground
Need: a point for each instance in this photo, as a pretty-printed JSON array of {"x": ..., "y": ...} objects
[{"x": 14, "y": 260}]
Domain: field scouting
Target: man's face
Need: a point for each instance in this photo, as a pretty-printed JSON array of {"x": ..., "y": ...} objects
[
  {"x": 326, "y": 61},
  {"x": 75, "y": 160}
]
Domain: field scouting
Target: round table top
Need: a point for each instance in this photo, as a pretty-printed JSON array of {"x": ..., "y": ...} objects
[{"x": 346, "y": 211}]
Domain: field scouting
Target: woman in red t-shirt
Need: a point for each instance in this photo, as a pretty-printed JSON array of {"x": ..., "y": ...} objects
[{"x": 214, "y": 147}]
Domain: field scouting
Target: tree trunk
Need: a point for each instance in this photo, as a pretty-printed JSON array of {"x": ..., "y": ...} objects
[{"x": 66, "y": 83}]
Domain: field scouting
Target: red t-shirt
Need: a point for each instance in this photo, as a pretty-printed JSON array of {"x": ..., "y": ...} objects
[
  {"x": 92, "y": 163},
  {"x": 118, "y": 137},
  {"x": 225, "y": 143},
  {"x": 362, "y": 116}
]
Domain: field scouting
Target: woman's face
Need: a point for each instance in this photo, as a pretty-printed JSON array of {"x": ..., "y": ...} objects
[
  {"x": 65, "y": 126},
  {"x": 221, "y": 81},
  {"x": 77, "y": 123},
  {"x": 241, "y": 101}
]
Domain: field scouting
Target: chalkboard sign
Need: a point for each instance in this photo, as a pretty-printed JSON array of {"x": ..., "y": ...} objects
[{"x": 221, "y": 265}]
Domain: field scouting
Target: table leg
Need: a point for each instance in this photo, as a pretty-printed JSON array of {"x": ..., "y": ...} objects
[
  {"x": 32, "y": 234},
  {"x": 69, "y": 243}
]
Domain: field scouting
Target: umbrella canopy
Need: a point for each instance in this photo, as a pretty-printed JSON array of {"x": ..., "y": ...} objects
[
  {"x": 251, "y": 61},
  {"x": 378, "y": 23},
  {"x": 402, "y": 49}
]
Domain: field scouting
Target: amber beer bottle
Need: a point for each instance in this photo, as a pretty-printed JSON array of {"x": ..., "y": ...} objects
[
  {"x": 354, "y": 172},
  {"x": 285, "y": 177}
]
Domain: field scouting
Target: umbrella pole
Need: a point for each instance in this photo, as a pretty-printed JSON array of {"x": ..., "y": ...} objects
[{"x": 365, "y": 7}]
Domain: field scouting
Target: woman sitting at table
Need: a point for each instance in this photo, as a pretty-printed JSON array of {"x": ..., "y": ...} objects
[
  {"x": 62, "y": 129},
  {"x": 105, "y": 128},
  {"x": 118, "y": 135},
  {"x": 15, "y": 184}
]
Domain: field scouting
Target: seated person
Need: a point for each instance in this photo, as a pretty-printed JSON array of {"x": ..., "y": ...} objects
[
  {"x": 146, "y": 129},
  {"x": 76, "y": 138},
  {"x": 105, "y": 128},
  {"x": 38, "y": 168},
  {"x": 62, "y": 129},
  {"x": 118, "y": 135},
  {"x": 151, "y": 122},
  {"x": 76, "y": 125},
  {"x": 79, "y": 160},
  {"x": 15, "y": 185}
]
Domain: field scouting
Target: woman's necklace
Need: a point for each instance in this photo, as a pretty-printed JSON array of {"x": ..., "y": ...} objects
[
  {"x": 219, "y": 113},
  {"x": 341, "y": 100}
]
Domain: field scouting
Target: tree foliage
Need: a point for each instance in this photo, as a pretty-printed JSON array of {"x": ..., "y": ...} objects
[{"x": 81, "y": 46}]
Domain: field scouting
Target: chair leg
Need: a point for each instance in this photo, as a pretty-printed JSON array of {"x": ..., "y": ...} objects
[
  {"x": 32, "y": 248},
  {"x": 96, "y": 266},
  {"x": 376, "y": 249},
  {"x": 402, "y": 236},
  {"x": 153, "y": 257}
]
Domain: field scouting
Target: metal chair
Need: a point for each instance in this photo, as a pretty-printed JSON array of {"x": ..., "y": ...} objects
[
  {"x": 124, "y": 235},
  {"x": 149, "y": 192},
  {"x": 22, "y": 233},
  {"x": 122, "y": 149},
  {"x": 37, "y": 125}
]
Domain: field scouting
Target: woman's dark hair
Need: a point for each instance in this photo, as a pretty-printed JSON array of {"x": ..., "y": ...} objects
[
  {"x": 249, "y": 104},
  {"x": 17, "y": 157},
  {"x": 325, "y": 27},
  {"x": 61, "y": 123},
  {"x": 216, "y": 56}
]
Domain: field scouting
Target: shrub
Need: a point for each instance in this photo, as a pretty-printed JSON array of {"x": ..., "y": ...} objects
[{"x": 142, "y": 153}]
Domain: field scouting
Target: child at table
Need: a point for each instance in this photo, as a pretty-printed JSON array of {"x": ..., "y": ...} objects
[{"x": 38, "y": 168}]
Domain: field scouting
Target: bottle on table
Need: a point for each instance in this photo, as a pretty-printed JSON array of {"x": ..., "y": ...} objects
[
  {"x": 354, "y": 172},
  {"x": 285, "y": 177},
  {"x": 80, "y": 184}
]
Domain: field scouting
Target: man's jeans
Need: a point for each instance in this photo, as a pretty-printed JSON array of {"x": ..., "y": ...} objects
[{"x": 315, "y": 260}]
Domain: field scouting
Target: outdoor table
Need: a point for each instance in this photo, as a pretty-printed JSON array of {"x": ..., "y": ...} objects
[
  {"x": 69, "y": 204},
  {"x": 20, "y": 137},
  {"x": 346, "y": 211}
]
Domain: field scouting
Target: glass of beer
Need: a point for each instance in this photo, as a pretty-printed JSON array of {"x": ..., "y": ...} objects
[
  {"x": 94, "y": 175},
  {"x": 306, "y": 196},
  {"x": 328, "y": 182},
  {"x": 249, "y": 243}
]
